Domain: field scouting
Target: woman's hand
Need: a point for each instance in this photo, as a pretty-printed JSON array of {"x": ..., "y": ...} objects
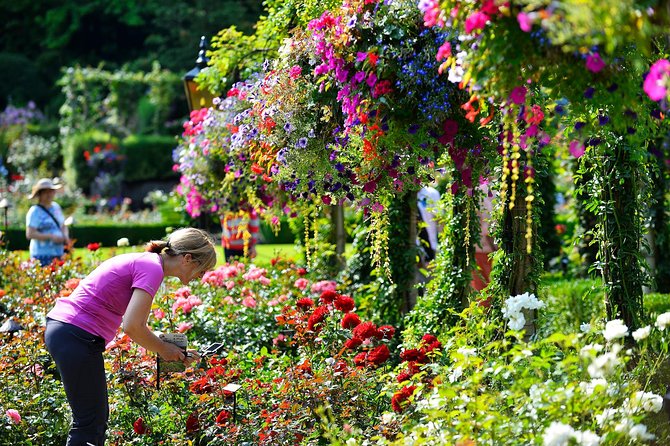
[{"x": 172, "y": 352}]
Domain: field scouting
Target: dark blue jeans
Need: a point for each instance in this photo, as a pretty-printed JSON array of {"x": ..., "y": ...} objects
[{"x": 78, "y": 356}]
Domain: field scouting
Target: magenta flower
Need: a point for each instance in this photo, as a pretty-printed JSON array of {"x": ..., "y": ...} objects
[
  {"x": 476, "y": 21},
  {"x": 655, "y": 84},
  {"x": 525, "y": 22},
  {"x": 577, "y": 149},
  {"x": 594, "y": 63},
  {"x": 518, "y": 95}
]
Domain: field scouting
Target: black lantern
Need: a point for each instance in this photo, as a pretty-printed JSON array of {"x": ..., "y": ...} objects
[
  {"x": 197, "y": 97},
  {"x": 4, "y": 205}
]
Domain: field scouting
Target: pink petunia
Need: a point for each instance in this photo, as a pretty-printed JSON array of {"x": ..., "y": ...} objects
[
  {"x": 656, "y": 82},
  {"x": 13, "y": 415},
  {"x": 577, "y": 149},
  {"x": 518, "y": 95},
  {"x": 444, "y": 51},
  {"x": 525, "y": 23},
  {"x": 594, "y": 63},
  {"x": 249, "y": 302}
]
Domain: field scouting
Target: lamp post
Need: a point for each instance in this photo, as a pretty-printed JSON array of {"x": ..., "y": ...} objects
[
  {"x": 4, "y": 205},
  {"x": 197, "y": 98}
]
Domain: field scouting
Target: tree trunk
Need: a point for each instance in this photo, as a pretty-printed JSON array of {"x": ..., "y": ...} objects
[{"x": 338, "y": 236}]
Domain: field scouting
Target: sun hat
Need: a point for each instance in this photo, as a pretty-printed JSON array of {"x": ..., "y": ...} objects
[{"x": 43, "y": 184}]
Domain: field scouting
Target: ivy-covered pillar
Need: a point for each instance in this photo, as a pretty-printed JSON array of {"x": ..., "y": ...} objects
[
  {"x": 403, "y": 249},
  {"x": 620, "y": 230}
]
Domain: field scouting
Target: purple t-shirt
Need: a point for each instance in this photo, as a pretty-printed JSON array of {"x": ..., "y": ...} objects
[{"x": 98, "y": 303}]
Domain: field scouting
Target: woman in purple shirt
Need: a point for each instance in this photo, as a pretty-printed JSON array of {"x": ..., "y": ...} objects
[{"x": 117, "y": 293}]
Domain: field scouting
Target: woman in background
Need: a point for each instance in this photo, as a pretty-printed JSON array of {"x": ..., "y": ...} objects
[{"x": 45, "y": 227}]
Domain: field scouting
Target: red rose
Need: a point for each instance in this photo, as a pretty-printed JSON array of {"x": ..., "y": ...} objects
[
  {"x": 305, "y": 303},
  {"x": 412, "y": 354},
  {"x": 352, "y": 343},
  {"x": 344, "y": 303},
  {"x": 350, "y": 320},
  {"x": 223, "y": 417},
  {"x": 140, "y": 427},
  {"x": 359, "y": 359},
  {"x": 428, "y": 338},
  {"x": 387, "y": 331},
  {"x": 328, "y": 296},
  {"x": 366, "y": 330},
  {"x": 403, "y": 376},
  {"x": 378, "y": 355},
  {"x": 317, "y": 317},
  {"x": 399, "y": 399},
  {"x": 93, "y": 246}
]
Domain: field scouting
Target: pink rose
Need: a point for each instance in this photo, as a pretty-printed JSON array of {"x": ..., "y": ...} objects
[
  {"x": 301, "y": 283},
  {"x": 249, "y": 302},
  {"x": 14, "y": 415},
  {"x": 184, "y": 327}
]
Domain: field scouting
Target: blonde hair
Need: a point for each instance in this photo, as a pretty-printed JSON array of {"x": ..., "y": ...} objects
[{"x": 192, "y": 241}]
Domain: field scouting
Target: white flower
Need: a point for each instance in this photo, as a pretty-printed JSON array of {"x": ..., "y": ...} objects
[
  {"x": 455, "y": 374},
  {"x": 663, "y": 320},
  {"x": 585, "y": 327},
  {"x": 589, "y": 387},
  {"x": 615, "y": 329},
  {"x": 557, "y": 434},
  {"x": 605, "y": 417},
  {"x": 351, "y": 442},
  {"x": 590, "y": 349},
  {"x": 587, "y": 438},
  {"x": 647, "y": 401},
  {"x": 467, "y": 351},
  {"x": 641, "y": 333},
  {"x": 603, "y": 365},
  {"x": 512, "y": 310},
  {"x": 122, "y": 242},
  {"x": 639, "y": 432}
]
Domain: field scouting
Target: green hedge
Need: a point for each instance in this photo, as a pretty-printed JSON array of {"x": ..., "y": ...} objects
[
  {"x": 106, "y": 235},
  {"x": 148, "y": 157}
]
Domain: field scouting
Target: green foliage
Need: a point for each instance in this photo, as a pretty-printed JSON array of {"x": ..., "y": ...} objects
[
  {"x": 655, "y": 304},
  {"x": 20, "y": 80},
  {"x": 572, "y": 304},
  {"x": 148, "y": 157},
  {"x": 236, "y": 56}
]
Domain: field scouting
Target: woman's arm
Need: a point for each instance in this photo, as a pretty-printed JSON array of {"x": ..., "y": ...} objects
[
  {"x": 33, "y": 233},
  {"x": 135, "y": 326}
]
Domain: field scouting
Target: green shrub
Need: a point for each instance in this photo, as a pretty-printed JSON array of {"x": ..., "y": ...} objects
[
  {"x": 148, "y": 157},
  {"x": 570, "y": 303},
  {"x": 655, "y": 304}
]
